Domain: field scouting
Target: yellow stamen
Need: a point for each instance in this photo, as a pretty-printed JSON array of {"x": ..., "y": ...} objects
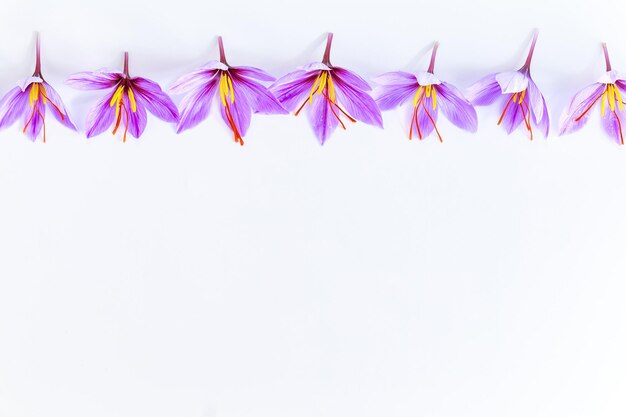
[
  {"x": 320, "y": 88},
  {"x": 602, "y": 102},
  {"x": 434, "y": 98},
  {"x": 417, "y": 96},
  {"x": 620, "y": 103},
  {"x": 131, "y": 97},
  {"x": 427, "y": 91},
  {"x": 514, "y": 97},
  {"x": 611, "y": 97},
  {"x": 117, "y": 95},
  {"x": 34, "y": 94},
  {"x": 43, "y": 94},
  {"x": 231, "y": 89},
  {"x": 521, "y": 99},
  {"x": 315, "y": 84},
  {"x": 331, "y": 89},
  {"x": 223, "y": 87}
]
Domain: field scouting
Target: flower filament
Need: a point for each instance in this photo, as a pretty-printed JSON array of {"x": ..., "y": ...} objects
[
  {"x": 117, "y": 100},
  {"x": 421, "y": 94},
  {"x": 325, "y": 86}
]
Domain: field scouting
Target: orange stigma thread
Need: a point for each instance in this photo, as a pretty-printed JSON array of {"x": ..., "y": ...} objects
[
  {"x": 519, "y": 103},
  {"x": 430, "y": 91},
  {"x": 227, "y": 96},
  {"x": 121, "y": 110}
]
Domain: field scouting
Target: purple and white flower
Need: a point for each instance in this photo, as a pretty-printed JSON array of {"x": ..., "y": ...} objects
[
  {"x": 429, "y": 95},
  {"x": 126, "y": 102},
  {"x": 29, "y": 101},
  {"x": 608, "y": 92},
  {"x": 518, "y": 97},
  {"x": 329, "y": 93},
  {"x": 238, "y": 90}
]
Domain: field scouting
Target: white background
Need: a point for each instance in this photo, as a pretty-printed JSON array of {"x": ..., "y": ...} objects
[{"x": 186, "y": 276}]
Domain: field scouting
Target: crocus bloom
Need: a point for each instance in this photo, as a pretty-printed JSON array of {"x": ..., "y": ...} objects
[
  {"x": 607, "y": 92},
  {"x": 429, "y": 95},
  {"x": 239, "y": 94},
  {"x": 29, "y": 101},
  {"x": 126, "y": 102},
  {"x": 329, "y": 93},
  {"x": 518, "y": 95}
]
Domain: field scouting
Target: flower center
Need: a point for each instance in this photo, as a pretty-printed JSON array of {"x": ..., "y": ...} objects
[
  {"x": 325, "y": 86},
  {"x": 36, "y": 95},
  {"x": 120, "y": 108},
  {"x": 421, "y": 94},
  {"x": 519, "y": 104}
]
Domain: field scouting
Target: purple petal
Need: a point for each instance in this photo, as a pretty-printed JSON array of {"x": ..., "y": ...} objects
[
  {"x": 513, "y": 115},
  {"x": 56, "y": 107},
  {"x": 351, "y": 78},
  {"x": 456, "y": 108},
  {"x": 137, "y": 120},
  {"x": 613, "y": 123},
  {"x": 485, "y": 91},
  {"x": 12, "y": 106},
  {"x": 94, "y": 80},
  {"x": 259, "y": 98},
  {"x": 195, "y": 106},
  {"x": 252, "y": 72},
  {"x": 544, "y": 124},
  {"x": 292, "y": 89},
  {"x": 535, "y": 100},
  {"x": 572, "y": 117},
  {"x": 34, "y": 120},
  {"x": 240, "y": 111},
  {"x": 100, "y": 117},
  {"x": 357, "y": 103},
  {"x": 149, "y": 94},
  {"x": 395, "y": 88},
  {"x": 321, "y": 118},
  {"x": 425, "y": 112},
  {"x": 192, "y": 80}
]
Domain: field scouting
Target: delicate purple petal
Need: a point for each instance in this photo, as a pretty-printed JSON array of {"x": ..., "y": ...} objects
[
  {"x": 137, "y": 120},
  {"x": 321, "y": 117},
  {"x": 614, "y": 126},
  {"x": 425, "y": 112},
  {"x": 12, "y": 106},
  {"x": 357, "y": 103},
  {"x": 512, "y": 81},
  {"x": 100, "y": 117},
  {"x": 513, "y": 115},
  {"x": 395, "y": 78},
  {"x": 544, "y": 124},
  {"x": 535, "y": 100},
  {"x": 240, "y": 111},
  {"x": 252, "y": 72},
  {"x": 259, "y": 98},
  {"x": 485, "y": 91},
  {"x": 56, "y": 107},
  {"x": 351, "y": 78},
  {"x": 149, "y": 94},
  {"x": 292, "y": 89},
  {"x": 456, "y": 108},
  {"x": 193, "y": 80},
  {"x": 195, "y": 106},
  {"x": 94, "y": 80},
  {"x": 572, "y": 117},
  {"x": 34, "y": 120}
]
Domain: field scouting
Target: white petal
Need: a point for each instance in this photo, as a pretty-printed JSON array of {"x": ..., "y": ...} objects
[
  {"x": 215, "y": 65},
  {"x": 23, "y": 84},
  {"x": 314, "y": 66},
  {"x": 427, "y": 78},
  {"x": 512, "y": 81},
  {"x": 610, "y": 77}
]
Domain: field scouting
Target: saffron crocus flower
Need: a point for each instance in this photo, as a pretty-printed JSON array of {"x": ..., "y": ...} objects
[
  {"x": 29, "y": 100},
  {"x": 429, "y": 95},
  {"x": 329, "y": 93},
  {"x": 126, "y": 102},
  {"x": 518, "y": 95},
  {"x": 238, "y": 91},
  {"x": 607, "y": 92}
]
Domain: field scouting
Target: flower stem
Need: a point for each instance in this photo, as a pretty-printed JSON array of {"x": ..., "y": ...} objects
[
  {"x": 126, "y": 63},
  {"x": 222, "y": 54},
  {"x": 37, "y": 58},
  {"x": 531, "y": 51},
  {"x": 431, "y": 67},
  {"x": 606, "y": 56},
  {"x": 329, "y": 42}
]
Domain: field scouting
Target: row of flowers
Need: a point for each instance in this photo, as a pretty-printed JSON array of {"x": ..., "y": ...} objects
[{"x": 331, "y": 96}]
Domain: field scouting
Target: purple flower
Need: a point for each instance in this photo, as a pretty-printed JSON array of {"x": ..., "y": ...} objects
[
  {"x": 126, "y": 102},
  {"x": 518, "y": 95},
  {"x": 29, "y": 101},
  {"x": 607, "y": 92},
  {"x": 331, "y": 93},
  {"x": 239, "y": 94},
  {"x": 429, "y": 95}
]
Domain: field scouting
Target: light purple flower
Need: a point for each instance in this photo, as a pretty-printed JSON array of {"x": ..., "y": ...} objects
[
  {"x": 329, "y": 93},
  {"x": 29, "y": 100},
  {"x": 518, "y": 97},
  {"x": 125, "y": 103},
  {"x": 607, "y": 92},
  {"x": 429, "y": 95},
  {"x": 239, "y": 94}
]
